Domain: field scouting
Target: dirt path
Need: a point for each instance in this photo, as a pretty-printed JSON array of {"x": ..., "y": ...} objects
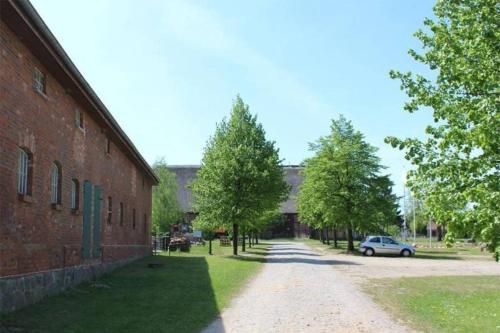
[{"x": 298, "y": 291}]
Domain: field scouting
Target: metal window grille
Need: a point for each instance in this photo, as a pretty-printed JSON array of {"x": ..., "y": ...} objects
[
  {"x": 55, "y": 181},
  {"x": 22, "y": 179},
  {"x": 110, "y": 209}
]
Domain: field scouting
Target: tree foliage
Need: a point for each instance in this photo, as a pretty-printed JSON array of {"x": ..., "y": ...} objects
[
  {"x": 457, "y": 165},
  {"x": 342, "y": 186},
  {"x": 241, "y": 176},
  {"x": 166, "y": 208}
]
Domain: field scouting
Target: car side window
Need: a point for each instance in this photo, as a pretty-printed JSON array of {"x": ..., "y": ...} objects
[
  {"x": 375, "y": 240},
  {"x": 387, "y": 240}
]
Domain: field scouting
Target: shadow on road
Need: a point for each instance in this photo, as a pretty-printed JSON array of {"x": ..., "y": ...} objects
[
  {"x": 295, "y": 260},
  {"x": 291, "y": 253}
]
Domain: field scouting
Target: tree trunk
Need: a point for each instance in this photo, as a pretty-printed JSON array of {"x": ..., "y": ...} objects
[
  {"x": 439, "y": 233},
  {"x": 327, "y": 237},
  {"x": 235, "y": 239},
  {"x": 256, "y": 238},
  {"x": 243, "y": 241},
  {"x": 335, "y": 237},
  {"x": 350, "y": 240},
  {"x": 321, "y": 238},
  {"x": 250, "y": 240},
  {"x": 210, "y": 246}
]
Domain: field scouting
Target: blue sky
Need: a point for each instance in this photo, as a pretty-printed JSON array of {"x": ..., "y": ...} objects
[{"x": 169, "y": 70}]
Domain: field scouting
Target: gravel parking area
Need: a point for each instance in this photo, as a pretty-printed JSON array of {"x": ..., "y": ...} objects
[
  {"x": 298, "y": 291},
  {"x": 361, "y": 267}
]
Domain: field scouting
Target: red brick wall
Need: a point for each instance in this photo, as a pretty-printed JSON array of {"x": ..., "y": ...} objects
[{"x": 34, "y": 236}]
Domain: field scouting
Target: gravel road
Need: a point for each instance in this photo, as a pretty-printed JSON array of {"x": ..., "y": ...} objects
[{"x": 299, "y": 290}]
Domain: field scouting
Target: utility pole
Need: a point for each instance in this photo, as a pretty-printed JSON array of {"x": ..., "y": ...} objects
[
  {"x": 430, "y": 232},
  {"x": 414, "y": 220},
  {"x": 404, "y": 211}
]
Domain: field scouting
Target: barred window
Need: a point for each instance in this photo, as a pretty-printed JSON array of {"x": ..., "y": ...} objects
[
  {"x": 75, "y": 194},
  {"x": 38, "y": 81},
  {"x": 110, "y": 210},
  {"x": 56, "y": 182},
  {"x": 24, "y": 172}
]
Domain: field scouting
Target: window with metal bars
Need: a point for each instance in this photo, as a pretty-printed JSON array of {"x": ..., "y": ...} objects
[
  {"x": 56, "y": 183},
  {"x": 110, "y": 210},
  {"x": 24, "y": 172}
]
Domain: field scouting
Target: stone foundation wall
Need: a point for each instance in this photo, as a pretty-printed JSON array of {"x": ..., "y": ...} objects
[{"x": 19, "y": 291}]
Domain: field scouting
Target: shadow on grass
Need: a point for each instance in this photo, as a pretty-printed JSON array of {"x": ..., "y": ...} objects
[
  {"x": 176, "y": 297},
  {"x": 437, "y": 252},
  {"x": 436, "y": 257}
]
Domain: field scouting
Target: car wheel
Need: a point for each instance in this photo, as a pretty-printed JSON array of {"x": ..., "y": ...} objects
[
  {"x": 406, "y": 253},
  {"x": 369, "y": 252}
]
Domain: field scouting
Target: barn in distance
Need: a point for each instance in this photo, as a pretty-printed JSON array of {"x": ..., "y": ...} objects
[{"x": 289, "y": 226}]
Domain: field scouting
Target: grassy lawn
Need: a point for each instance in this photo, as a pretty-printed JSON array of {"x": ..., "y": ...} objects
[
  {"x": 442, "y": 304},
  {"x": 184, "y": 295}
]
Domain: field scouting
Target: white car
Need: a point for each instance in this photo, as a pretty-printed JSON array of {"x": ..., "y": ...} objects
[{"x": 385, "y": 245}]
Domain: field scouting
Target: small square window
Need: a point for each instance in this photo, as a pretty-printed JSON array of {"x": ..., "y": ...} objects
[
  {"x": 79, "y": 119},
  {"x": 39, "y": 81}
]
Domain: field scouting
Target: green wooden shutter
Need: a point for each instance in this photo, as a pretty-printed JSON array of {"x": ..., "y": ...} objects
[
  {"x": 87, "y": 218},
  {"x": 97, "y": 222}
]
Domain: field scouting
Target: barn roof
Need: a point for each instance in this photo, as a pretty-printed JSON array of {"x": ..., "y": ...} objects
[{"x": 185, "y": 174}]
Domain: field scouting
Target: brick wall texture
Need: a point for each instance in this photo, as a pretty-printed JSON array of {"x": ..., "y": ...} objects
[{"x": 33, "y": 235}]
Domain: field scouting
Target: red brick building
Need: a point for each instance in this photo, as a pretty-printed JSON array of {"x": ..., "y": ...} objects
[{"x": 75, "y": 194}]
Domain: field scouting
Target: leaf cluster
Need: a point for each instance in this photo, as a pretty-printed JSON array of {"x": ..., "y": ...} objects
[
  {"x": 457, "y": 174},
  {"x": 342, "y": 183},
  {"x": 241, "y": 175}
]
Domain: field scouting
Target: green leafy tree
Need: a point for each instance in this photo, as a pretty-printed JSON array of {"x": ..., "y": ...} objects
[
  {"x": 342, "y": 185},
  {"x": 457, "y": 165},
  {"x": 166, "y": 208},
  {"x": 241, "y": 176},
  {"x": 381, "y": 206},
  {"x": 208, "y": 227}
]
